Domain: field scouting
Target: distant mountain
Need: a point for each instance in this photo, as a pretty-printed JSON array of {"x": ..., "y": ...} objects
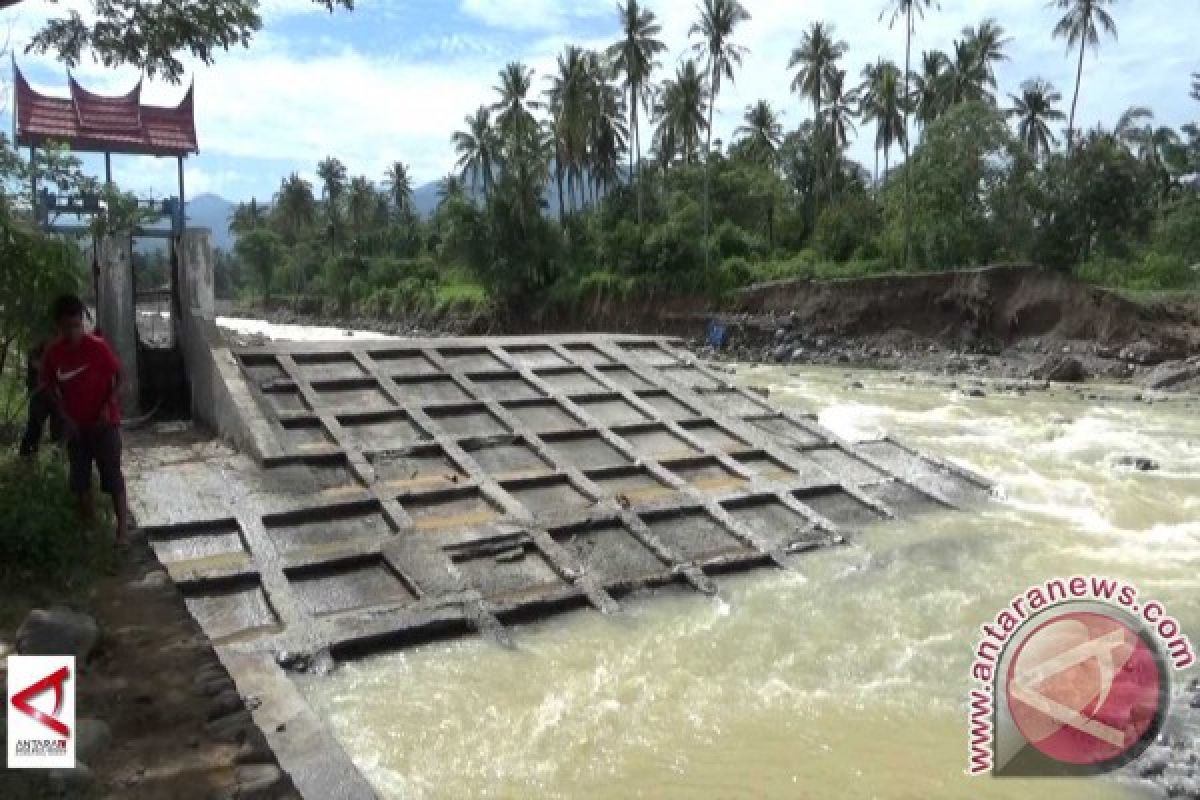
[
  {"x": 213, "y": 212},
  {"x": 425, "y": 198}
]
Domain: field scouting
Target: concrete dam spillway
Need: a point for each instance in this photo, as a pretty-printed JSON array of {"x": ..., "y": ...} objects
[{"x": 396, "y": 492}]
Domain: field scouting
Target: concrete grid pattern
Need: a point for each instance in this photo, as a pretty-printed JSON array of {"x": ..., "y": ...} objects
[{"x": 418, "y": 489}]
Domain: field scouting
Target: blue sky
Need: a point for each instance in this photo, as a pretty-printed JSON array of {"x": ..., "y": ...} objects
[{"x": 392, "y": 80}]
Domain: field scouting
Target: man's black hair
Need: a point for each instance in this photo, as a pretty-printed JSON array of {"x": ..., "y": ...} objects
[{"x": 66, "y": 306}]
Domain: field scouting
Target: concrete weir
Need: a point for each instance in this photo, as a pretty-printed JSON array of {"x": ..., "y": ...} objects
[{"x": 395, "y": 492}]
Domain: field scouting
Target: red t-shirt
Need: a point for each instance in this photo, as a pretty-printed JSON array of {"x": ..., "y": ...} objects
[{"x": 83, "y": 375}]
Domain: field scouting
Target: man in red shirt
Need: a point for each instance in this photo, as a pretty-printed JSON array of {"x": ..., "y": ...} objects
[{"x": 81, "y": 375}]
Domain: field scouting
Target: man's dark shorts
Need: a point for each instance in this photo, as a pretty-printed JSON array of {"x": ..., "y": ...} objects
[{"x": 101, "y": 445}]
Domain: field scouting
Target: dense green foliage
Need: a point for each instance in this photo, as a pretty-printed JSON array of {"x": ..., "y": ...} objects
[
  {"x": 44, "y": 544},
  {"x": 553, "y": 200}
]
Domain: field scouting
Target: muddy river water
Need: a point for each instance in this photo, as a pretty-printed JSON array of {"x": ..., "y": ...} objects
[{"x": 845, "y": 679}]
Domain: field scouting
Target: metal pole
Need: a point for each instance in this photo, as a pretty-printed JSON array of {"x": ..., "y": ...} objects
[{"x": 108, "y": 168}]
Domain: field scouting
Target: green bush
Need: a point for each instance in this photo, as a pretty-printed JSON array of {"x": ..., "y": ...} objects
[{"x": 43, "y": 538}]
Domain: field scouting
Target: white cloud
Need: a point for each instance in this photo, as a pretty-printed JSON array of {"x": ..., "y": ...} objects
[{"x": 534, "y": 15}]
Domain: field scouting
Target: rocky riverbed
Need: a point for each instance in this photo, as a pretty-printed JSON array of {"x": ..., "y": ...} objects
[{"x": 1141, "y": 363}]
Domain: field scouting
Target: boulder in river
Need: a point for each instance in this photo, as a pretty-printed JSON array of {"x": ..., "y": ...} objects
[
  {"x": 1173, "y": 373},
  {"x": 1061, "y": 369},
  {"x": 1145, "y": 353},
  {"x": 1140, "y": 463}
]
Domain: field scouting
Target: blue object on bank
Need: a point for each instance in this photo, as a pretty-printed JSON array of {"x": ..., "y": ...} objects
[{"x": 717, "y": 333}]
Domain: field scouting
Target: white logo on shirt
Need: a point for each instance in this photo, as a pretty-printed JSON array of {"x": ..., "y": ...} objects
[{"x": 63, "y": 377}]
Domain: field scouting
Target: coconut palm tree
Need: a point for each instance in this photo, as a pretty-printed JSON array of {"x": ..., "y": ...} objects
[
  {"x": 883, "y": 104},
  {"x": 1082, "y": 25},
  {"x": 332, "y": 173},
  {"x": 1034, "y": 109},
  {"x": 246, "y": 217},
  {"x": 987, "y": 43},
  {"x": 905, "y": 9},
  {"x": 1132, "y": 122},
  {"x": 450, "y": 189},
  {"x": 718, "y": 23},
  {"x": 762, "y": 131},
  {"x": 514, "y": 111},
  {"x": 967, "y": 78},
  {"x": 478, "y": 151},
  {"x": 929, "y": 90},
  {"x": 295, "y": 207},
  {"x": 607, "y": 135},
  {"x": 681, "y": 114},
  {"x": 566, "y": 100},
  {"x": 816, "y": 57},
  {"x": 361, "y": 204},
  {"x": 634, "y": 59},
  {"x": 399, "y": 188},
  {"x": 837, "y": 120}
]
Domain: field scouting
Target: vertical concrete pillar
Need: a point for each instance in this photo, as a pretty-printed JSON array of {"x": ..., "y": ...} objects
[
  {"x": 197, "y": 281},
  {"x": 195, "y": 329},
  {"x": 116, "y": 312}
]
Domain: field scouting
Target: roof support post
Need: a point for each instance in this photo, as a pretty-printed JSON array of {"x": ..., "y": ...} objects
[
  {"x": 181, "y": 218},
  {"x": 33, "y": 186},
  {"x": 107, "y": 168}
]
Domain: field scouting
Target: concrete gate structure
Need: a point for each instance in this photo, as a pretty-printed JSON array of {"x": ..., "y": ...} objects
[{"x": 394, "y": 492}]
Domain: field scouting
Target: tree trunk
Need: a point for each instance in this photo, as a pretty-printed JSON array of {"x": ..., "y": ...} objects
[
  {"x": 907, "y": 153},
  {"x": 562, "y": 213},
  {"x": 712, "y": 104},
  {"x": 1075, "y": 99},
  {"x": 635, "y": 170}
]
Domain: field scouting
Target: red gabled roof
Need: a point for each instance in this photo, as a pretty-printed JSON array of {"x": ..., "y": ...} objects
[{"x": 89, "y": 122}]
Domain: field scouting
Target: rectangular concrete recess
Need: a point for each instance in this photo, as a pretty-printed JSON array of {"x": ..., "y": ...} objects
[{"x": 402, "y": 491}]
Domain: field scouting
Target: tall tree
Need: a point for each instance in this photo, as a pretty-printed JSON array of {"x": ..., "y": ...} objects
[
  {"x": 246, "y": 217},
  {"x": 1034, "y": 110},
  {"x": 904, "y": 9},
  {"x": 967, "y": 79},
  {"x": 567, "y": 102},
  {"x": 634, "y": 59},
  {"x": 837, "y": 119},
  {"x": 762, "y": 131},
  {"x": 719, "y": 20},
  {"x": 608, "y": 135},
  {"x": 399, "y": 189},
  {"x": 929, "y": 91},
  {"x": 332, "y": 173},
  {"x": 681, "y": 114},
  {"x": 514, "y": 110},
  {"x": 816, "y": 57},
  {"x": 295, "y": 207},
  {"x": 361, "y": 205},
  {"x": 478, "y": 150},
  {"x": 1081, "y": 26},
  {"x": 883, "y": 104},
  {"x": 986, "y": 44}
]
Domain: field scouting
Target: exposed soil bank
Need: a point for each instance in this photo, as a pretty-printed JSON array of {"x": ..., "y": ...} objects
[{"x": 998, "y": 321}]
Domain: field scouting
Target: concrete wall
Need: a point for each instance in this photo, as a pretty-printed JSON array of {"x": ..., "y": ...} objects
[
  {"x": 117, "y": 315},
  {"x": 221, "y": 400}
]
